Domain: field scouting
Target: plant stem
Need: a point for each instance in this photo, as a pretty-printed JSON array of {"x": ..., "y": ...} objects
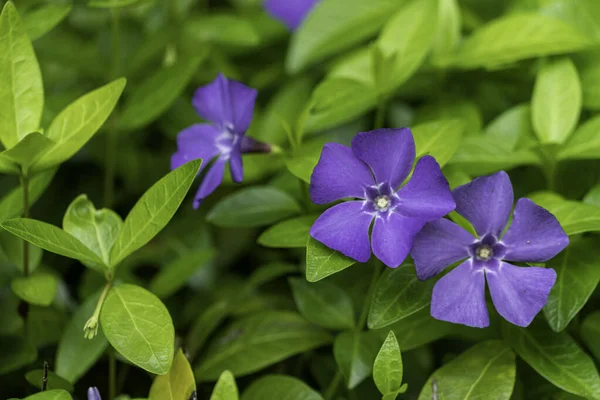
[
  {"x": 112, "y": 373},
  {"x": 380, "y": 114},
  {"x": 333, "y": 386},
  {"x": 377, "y": 269},
  {"x": 25, "y": 188}
]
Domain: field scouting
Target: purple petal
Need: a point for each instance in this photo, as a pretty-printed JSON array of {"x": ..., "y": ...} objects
[
  {"x": 389, "y": 152},
  {"x": 459, "y": 297},
  {"x": 486, "y": 202},
  {"x": 393, "y": 237},
  {"x": 519, "y": 293},
  {"x": 439, "y": 244},
  {"x": 212, "y": 179},
  {"x": 534, "y": 235},
  {"x": 93, "y": 394},
  {"x": 345, "y": 228},
  {"x": 251, "y": 145},
  {"x": 197, "y": 141},
  {"x": 339, "y": 174},
  {"x": 226, "y": 103},
  {"x": 290, "y": 12},
  {"x": 235, "y": 165},
  {"x": 427, "y": 195}
]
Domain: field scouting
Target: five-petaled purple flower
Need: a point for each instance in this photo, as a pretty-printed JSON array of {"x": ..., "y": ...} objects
[
  {"x": 372, "y": 171},
  {"x": 93, "y": 394},
  {"x": 518, "y": 293},
  {"x": 228, "y": 105},
  {"x": 290, "y": 12}
]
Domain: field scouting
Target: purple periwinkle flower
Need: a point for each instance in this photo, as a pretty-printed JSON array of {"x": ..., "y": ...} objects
[
  {"x": 290, "y": 12},
  {"x": 518, "y": 293},
  {"x": 229, "y": 106},
  {"x": 371, "y": 172},
  {"x": 93, "y": 394}
]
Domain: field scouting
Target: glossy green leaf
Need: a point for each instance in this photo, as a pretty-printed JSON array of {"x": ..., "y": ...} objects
[
  {"x": 153, "y": 210},
  {"x": 255, "y": 342},
  {"x": 439, "y": 139},
  {"x": 177, "y": 384},
  {"x": 556, "y": 102},
  {"x": 321, "y": 261},
  {"x": 39, "y": 288},
  {"x": 588, "y": 67},
  {"x": 21, "y": 92},
  {"x": 584, "y": 143},
  {"x": 76, "y": 354},
  {"x": 78, "y": 122},
  {"x": 512, "y": 128},
  {"x": 590, "y": 333},
  {"x": 175, "y": 274},
  {"x": 556, "y": 357},
  {"x": 56, "y": 394},
  {"x": 448, "y": 35},
  {"x": 387, "y": 369},
  {"x": 318, "y": 38},
  {"x": 11, "y": 205},
  {"x": 203, "y": 29},
  {"x": 292, "y": 233},
  {"x": 518, "y": 37},
  {"x": 41, "y": 20},
  {"x": 486, "y": 370},
  {"x": 54, "y": 381},
  {"x": 574, "y": 217},
  {"x": 15, "y": 352},
  {"x": 579, "y": 13},
  {"x": 398, "y": 294},
  {"x": 139, "y": 327},
  {"x": 355, "y": 353},
  {"x": 323, "y": 303},
  {"x": 303, "y": 161},
  {"x": 51, "y": 238},
  {"x": 28, "y": 150},
  {"x": 418, "y": 329},
  {"x": 225, "y": 389},
  {"x": 280, "y": 387},
  {"x": 154, "y": 96},
  {"x": 578, "y": 273},
  {"x": 253, "y": 206},
  {"x": 593, "y": 196}
]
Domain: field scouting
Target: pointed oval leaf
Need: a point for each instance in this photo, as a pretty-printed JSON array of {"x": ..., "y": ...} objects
[
  {"x": 292, "y": 233},
  {"x": 28, "y": 150},
  {"x": 178, "y": 384},
  {"x": 575, "y": 217},
  {"x": 226, "y": 388},
  {"x": 387, "y": 369},
  {"x": 280, "y": 387},
  {"x": 590, "y": 333},
  {"x": 448, "y": 33},
  {"x": 175, "y": 274},
  {"x": 138, "y": 325},
  {"x": 11, "y": 205},
  {"x": 355, "y": 354},
  {"x": 153, "y": 210},
  {"x": 321, "y": 261},
  {"x": 54, "y": 381},
  {"x": 439, "y": 139},
  {"x": 39, "y": 288},
  {"x": 21, "y": 92},
  {"x": 204, "y": 326},
  {"x": 56, "y": 394},
  {"x": 584, "y": 143},
  {"x": 41, "y": 20}
]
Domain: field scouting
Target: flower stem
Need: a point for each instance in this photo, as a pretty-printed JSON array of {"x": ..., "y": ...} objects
[
  {"x": 25, "y": 188},
  {"x": 112, "y": 373},
  {"x": 333, "y": 386},
  {"x": 91, "y": 326},
  {"x": 380, "y": 114}
]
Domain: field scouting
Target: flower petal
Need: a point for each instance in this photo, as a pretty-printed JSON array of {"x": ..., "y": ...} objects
[
  {"x": 534, "y": 235},
  {"x": 389, "y": 152},
  {"x": 393, "y": 237},
  {"x": 290, "y": 12},
  {"x": 486, "y": 202},
  {"x": 459, "y": 297},
  {"x": 345, "y": 228},
  {"x": 439, "y": 244},
  {"x": 212, "y": 179},
  {"x": 519, "y": 293},
  {"x": 93, "y": 394},
  {"x": 236, "y": 165},
  {"x": 427, "y": 195},
  {"x": 226, "y": 103},
  {"x": 197, "y": 141},
  {"x": 339, "y": 174}
]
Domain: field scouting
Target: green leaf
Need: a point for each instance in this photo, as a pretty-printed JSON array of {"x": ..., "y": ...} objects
[
  {"x": 398, "y": 294},
  {"x": 76, "y": 354},
  {"x": 15, "y": 352},
  {"x": 589, "y": 72},
  {"x": 78, "y": 122},
  {"x": 252, "y": 207},
  {"x": 593, "y": 196},
  {"x": 303, "y": 161},
  {"x": 289, "y": 234},
  {"x": 40, "y": 21},
  {"x": 418, "y": 329},
  {"x": 12, "y": 248},
  {"x": 387, "y": 369},
  {"x": 579, "y": 13},
  {"x": 155, "y": 95},
  {"x": 178, "y": 384},
  {"x": 448, "y": 35},
  {"x": 39, "y": 288},
  {"x": 255, "y": 342},
  {"x": 321, "y": 261},
  {"x": 139, "y": 327},
  {"x": 518, "y": 37},
  {"x": 439, "y": 139},
  {"x": 584, "y": 143},
  {"x": 575, "y": 217},
  {"x": 280, "y": 387},
  {"x": 556, "y": 102},
  {"x": 268, "y": 273},
  {"x": 355, "y": 354},
  {"x": 57, "y": 394},
  {"x": 225, "y": 389},
  {"x": 11, "y": 205},
  {"x": 112, "y": 3},
  {"x": 50, "y": 238},
  {"x": 590, "y": 333},
  {"x": 54, "y": 381},
  {"x": 21, "y": 92},
  {"x": 175, "y": 274},
  {"x": 323, "y": 303},
  {"x": 578, "y": 273},
  {"x": 96, "y": 229},
  {"x": 154, "y": 210},
  {"x": 28, "y": 150},
  {"x": 511, "y": 128},
  {"x": 204, "y": 325},
  {"x": 486, "y": 371},
  {"x": 208, "y": 28},
  {"x": 556, "y": 357},
  {"x": 317, "y": 38}
]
